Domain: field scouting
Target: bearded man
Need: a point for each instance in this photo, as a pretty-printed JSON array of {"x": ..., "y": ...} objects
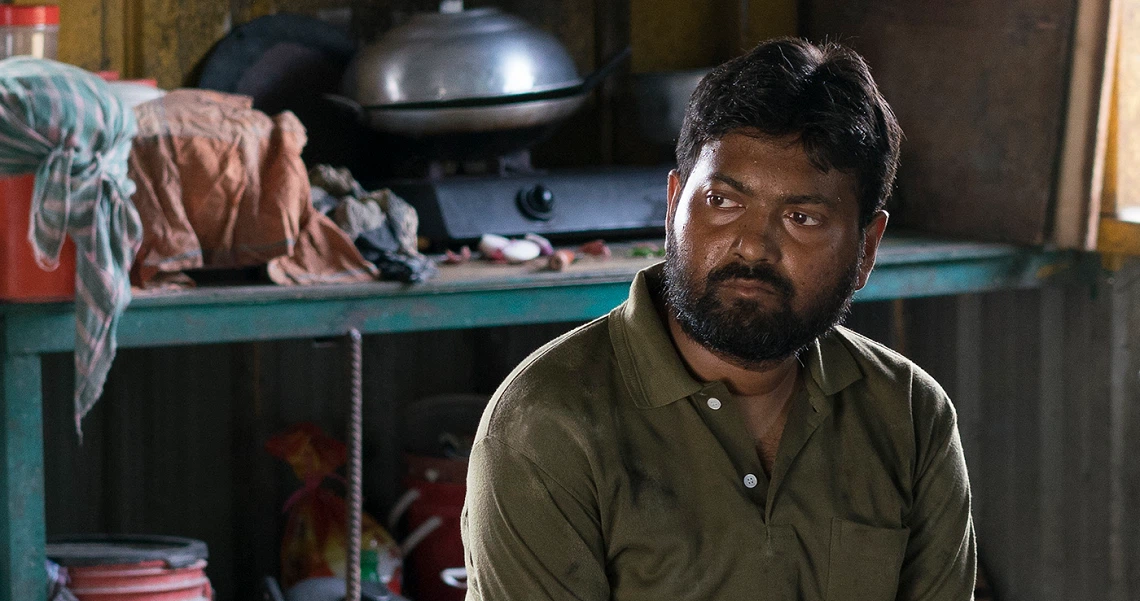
[{"x": 718, "y": 435}]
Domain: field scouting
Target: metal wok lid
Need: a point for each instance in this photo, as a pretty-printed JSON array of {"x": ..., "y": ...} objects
[{"x": 469, "y": 54}]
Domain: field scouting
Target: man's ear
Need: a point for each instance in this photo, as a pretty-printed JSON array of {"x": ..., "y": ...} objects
[
  {"x": 674, "y": 192},
  {"x": 872, "y": 236}
]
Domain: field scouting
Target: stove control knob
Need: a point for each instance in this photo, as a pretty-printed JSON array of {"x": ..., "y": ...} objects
[{"x": 536, "y": 202}]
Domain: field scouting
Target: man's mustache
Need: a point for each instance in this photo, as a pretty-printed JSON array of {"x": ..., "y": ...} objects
[{"x": 760, "y": 272}]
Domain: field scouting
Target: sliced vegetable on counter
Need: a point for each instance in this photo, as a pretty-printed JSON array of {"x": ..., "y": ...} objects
[
  {"x": 596, "y": 248},
  {"x": 544, "y": 244},
  {"x": 521, "y": 251},
  {"x": 492, "y": 245},
  {"x": 560, "y": 260},
  {"x": 457, "y": 258}
]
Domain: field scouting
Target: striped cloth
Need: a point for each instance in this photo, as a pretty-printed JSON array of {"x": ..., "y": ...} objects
[{"x": 66, "y": 125}]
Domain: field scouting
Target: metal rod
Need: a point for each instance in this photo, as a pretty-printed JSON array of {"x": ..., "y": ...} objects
[{"x": 355, "y": 458}]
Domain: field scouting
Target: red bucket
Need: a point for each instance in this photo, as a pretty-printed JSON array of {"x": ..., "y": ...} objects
[
  {"x": 144, "y": 581},
  {"x": 133, "y": 568}
]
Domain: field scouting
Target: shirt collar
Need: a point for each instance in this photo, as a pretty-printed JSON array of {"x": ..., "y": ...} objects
[
  {"x": 830, "y": 367},
  {"x": 649, "y": 362},
  {"x": 657, "y": 376}
]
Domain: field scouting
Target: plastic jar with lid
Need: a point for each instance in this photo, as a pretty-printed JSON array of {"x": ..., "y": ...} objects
[{"x": 29, "y": 31}]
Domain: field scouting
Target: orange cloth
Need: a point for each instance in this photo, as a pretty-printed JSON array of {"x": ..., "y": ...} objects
[{"x": 221, "y": 184}]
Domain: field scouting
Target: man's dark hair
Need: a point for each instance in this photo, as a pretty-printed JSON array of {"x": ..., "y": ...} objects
[{"x": 790, "y": 87}]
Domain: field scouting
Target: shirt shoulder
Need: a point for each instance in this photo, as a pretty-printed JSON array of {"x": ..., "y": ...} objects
[
  {"x": 885, "y": 368},
  {"x": 904, "y": 396},
  {"x": 553, "y": 407}
]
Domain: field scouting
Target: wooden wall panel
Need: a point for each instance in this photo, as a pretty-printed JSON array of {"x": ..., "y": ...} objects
[
  {"x": 677, "y": 34},
  {"x": 1125, "y": 141},
  {"x": 1079, "y": 174},
  {"x": 980, "y": 89},
  {"x": 92, "y": 34},
  {"x": 175, "y": 36}
]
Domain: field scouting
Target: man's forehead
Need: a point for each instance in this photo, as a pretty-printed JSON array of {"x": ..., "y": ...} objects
[
  {"x": 750, "y": 144},
  {"x": 749, "y": 160}
]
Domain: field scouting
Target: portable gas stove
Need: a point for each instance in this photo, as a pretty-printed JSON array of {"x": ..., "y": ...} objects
[{"x": 562, "y": 205}]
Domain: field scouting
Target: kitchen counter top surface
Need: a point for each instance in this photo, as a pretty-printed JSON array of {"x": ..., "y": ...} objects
[{"x": 482, "y": 294}]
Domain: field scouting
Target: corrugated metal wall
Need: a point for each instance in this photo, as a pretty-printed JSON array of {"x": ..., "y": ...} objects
[
  {"x": 1045, "y": 383},
  {"x": 176, "y": 445}
]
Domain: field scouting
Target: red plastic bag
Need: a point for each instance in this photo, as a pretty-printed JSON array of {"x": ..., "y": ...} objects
[{"x": 315, "y": 541}]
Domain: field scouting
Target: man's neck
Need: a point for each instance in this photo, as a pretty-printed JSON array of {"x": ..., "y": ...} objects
[{"x": 770, "y": 383}]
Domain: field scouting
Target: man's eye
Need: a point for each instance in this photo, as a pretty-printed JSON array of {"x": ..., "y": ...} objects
[
  {"x": 803, "y": 219},
  {"x": 720, "y": 202}
]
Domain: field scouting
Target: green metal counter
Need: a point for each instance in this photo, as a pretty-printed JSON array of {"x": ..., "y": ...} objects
[{"x": 468, "y": 296}]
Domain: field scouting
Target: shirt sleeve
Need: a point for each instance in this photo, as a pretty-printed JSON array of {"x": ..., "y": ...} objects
[
  {"x": 940, "y": 562},
  {"x": 527, "y": 538}
]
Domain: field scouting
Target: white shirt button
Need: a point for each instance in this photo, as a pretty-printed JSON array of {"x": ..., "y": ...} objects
[
  {"x": 714, "y": 403},
  {"x": 750, "y": 480}
]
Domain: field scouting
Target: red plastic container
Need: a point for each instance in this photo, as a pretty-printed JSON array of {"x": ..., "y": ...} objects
[
  {"x": 21, "y": 279},
  {"x": 29, "y": 31},
  {"x": 442, "y": 549}
]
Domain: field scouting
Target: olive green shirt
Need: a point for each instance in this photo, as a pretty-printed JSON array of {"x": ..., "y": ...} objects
[{"x": 603, "y": 470}]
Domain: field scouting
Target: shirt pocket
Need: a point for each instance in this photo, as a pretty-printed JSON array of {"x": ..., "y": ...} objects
[{"x": 864, "y": 561}]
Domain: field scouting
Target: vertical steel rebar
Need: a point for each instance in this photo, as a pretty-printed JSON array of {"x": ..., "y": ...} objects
[{"x": 355, "y": 458}]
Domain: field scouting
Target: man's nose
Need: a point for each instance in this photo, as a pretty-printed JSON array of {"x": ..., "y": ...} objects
[{"x": 757, "y": 238}]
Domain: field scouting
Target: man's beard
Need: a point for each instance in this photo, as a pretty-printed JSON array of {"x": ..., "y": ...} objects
[{"x": 742, "y": 331}]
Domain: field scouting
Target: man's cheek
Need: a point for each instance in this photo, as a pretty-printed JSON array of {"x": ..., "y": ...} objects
[{"x": 679, "y": 228}]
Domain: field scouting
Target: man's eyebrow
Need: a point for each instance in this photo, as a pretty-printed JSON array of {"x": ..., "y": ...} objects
[
  {"x": 733, "y": 183},
  {"x": 793, "y": 199},
  {"x": 810, "y": 199}
]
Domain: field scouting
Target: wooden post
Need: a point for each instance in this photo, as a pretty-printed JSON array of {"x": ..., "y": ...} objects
[{"x": 22, "y": 531}]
